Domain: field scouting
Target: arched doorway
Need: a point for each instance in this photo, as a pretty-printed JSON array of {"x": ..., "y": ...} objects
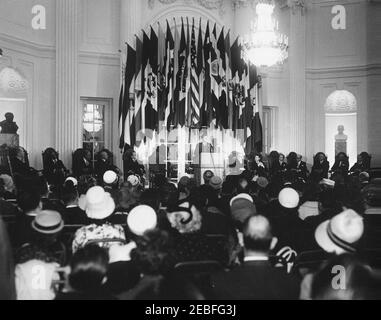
[
  {"x": 13, "y": 98},
  {"x": 341, "y": 125}
]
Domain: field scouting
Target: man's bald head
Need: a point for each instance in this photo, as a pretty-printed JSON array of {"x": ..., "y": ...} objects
[{"x": 257, "y": 234}]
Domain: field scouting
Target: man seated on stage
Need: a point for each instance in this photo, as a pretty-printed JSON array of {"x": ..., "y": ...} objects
[
  {"x": 301, "y": 168},
  {"x": 131, "y": 165}
]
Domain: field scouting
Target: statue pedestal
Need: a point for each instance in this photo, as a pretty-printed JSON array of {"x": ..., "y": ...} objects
[
  {"x": 11, "y": 140},
  {"x": 340, "y": 146}
]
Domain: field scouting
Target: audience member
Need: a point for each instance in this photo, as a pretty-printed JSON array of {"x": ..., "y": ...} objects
[
  {"x": 256, "y": 278},
  {"x": 88, "y": 274}
]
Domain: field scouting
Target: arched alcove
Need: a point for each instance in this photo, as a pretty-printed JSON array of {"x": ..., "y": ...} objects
[
  {"x": 341, "y": 124},
  {"x": 13, "y": 98}
]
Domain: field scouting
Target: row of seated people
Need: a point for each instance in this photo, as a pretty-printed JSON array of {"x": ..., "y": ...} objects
[
  {"x": 247, "y": 237},
  {"x": 293, "y": 164}
]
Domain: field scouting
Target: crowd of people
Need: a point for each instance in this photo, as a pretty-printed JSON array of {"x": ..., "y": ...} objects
[{"x": 274, "y": 229}]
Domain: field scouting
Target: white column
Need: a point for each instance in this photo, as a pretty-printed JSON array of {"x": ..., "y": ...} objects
[
  {"x": 297, "y": 61},
  {"x": 68, "y": 110}
]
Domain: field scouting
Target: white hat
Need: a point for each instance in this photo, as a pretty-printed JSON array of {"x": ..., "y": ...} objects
[
  {"x": 288, "y": 198},
  {"x": 74, "y": 180},
  {"x": 340, "y": 234},
  {"x": 140, "y": 219},
  {"x": 244, "y": 196},
  {"x": 99, "y": 204},
  {"x": 110, "y": 177},
  {"x": 133, "y": 180}
]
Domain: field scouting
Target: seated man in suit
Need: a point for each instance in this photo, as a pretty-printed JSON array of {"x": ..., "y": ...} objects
[
  {"x": 301, "y": 168},
  {"x": 256, "y": 278}
]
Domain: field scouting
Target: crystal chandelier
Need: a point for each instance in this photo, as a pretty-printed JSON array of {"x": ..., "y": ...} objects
[{"x": 265, "y": 46}]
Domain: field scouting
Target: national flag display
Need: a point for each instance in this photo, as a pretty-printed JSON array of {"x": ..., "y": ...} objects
[{"x": 189, "y": 76}]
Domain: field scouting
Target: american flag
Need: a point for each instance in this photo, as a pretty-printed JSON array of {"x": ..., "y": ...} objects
[{"x": 195, "y": 85}]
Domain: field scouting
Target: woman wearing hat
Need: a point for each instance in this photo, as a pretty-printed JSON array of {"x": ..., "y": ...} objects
[{"x": 99, "y": 207}]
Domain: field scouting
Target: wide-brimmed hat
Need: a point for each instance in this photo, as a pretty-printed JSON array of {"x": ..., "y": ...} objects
[
  {"x": 288, "y": 198},
  {"x": 340, "y": 234},
  {"x": 48, "y": 222},
  {"x": 110, "y": 177},
  {"x": 98, "y": 203},
  {"x": 141, "y": 219}
]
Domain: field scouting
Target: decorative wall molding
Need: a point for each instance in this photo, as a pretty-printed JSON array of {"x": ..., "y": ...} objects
[
  {"x": 341, "y": 101},
  {"x": 219, "y": 5},
  {"x": 23, "y": 46},
  {"x": 169, "y": 13},
  {"x": 343, "y": 72},
  {"x": 101, "y": 59},
  {"x": 12, "y": 81}
]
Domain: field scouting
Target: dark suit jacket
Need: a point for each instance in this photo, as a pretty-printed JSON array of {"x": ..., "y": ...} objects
[
  {"x": 302, "y": 170},
  {"x": 256, "y": 280},
  {"x": 75, "y": 216}
]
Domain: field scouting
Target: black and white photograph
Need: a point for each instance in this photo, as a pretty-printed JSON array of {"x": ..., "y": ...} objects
[{"x": 190, "y": 154}]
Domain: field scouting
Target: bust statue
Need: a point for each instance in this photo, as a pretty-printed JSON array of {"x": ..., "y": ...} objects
[
  {"x": 8, "y": 125},
  {"x": 341, "y": 140},
  {"x": 341, "y": 136}
]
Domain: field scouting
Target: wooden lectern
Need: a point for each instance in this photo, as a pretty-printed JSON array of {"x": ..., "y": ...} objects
[
  {"x": 213, "y": 162},
  {"x": 10, "y": 140}
]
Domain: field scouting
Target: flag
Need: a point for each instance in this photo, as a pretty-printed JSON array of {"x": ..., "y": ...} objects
[
  {"x": 182, "y": 78},
  {"x": 200, "y": 72},
  {"x": 238, "y": 89},
  {"x": 207, "y": 109},
  {"x": 254, "y": 143},
  {"x": 161, "y": 74},
  {"x": 153, "y": 84},
  {"x": 138, "y": 86},
  {"x": 214, "y": 76},
  {"x": 194, "y": 113},
  {"x": 169, "y": 72},
  {"x": 223, "y": 107},
  {"x": 146, "y": 96},
  {"x": 187, "y": 79},
  {"x": 129, "y": 88},
  {"x": 176, "y": 85},
  {"x": 121, "y": 120},
  {"x": 229, "y": 82}
]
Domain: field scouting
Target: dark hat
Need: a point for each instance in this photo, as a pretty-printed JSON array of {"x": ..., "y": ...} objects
[
  {"x": 216, "y": 183},
  {"x": 242, "y": 207},
  {"x": 208, "y": 174}
]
